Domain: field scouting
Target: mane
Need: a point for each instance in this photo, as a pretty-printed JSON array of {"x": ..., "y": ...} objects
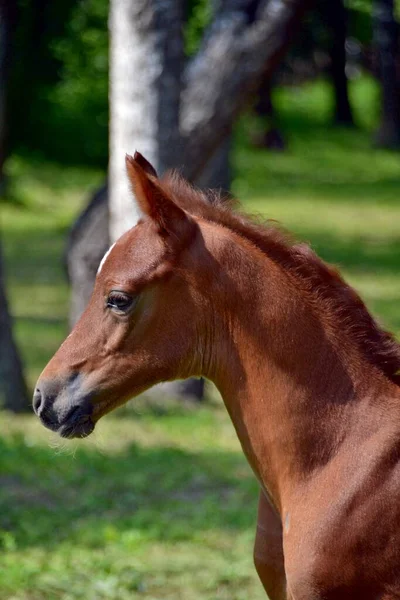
[{"x": 328, "y": 291}]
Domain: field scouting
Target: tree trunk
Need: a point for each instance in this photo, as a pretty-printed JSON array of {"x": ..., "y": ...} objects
[
  {"x": 386, "y": 33},
  {"x": 146, "y": 60},
  {"x": 217, "y": 174},
  {"x": 336, "y": 18},
  {"x": 87, "y": 242},
  {"x": 269, "y": 135},
  {"x": 13, "y": 393}
]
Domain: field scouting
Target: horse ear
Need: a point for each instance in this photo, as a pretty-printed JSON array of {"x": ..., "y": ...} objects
[
  {"x": 144, "y": 163},
  {"x": 154, "y": 202}
]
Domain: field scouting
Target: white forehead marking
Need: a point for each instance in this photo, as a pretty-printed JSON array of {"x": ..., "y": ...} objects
[{"x": 103, "y": 260}]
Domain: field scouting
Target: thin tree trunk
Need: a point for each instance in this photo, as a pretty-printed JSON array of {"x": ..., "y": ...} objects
[
  {"x": 336, "y": 17},
  {"x": 13, "y": 393},
  {"x": 386, "y": 33},
  {"x": 268, "y": 136}
]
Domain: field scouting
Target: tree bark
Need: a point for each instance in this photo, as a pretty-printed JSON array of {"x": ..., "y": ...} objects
[
  {"x": 336, "y": 18},
  {"x": 146, "y": 61},
  {"x": 13, "y": 393},
  {"x": 386, "y": 34},
  {"x": 87, "y": 242}
]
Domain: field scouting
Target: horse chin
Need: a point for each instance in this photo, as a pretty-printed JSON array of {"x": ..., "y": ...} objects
[{"x": 80, "y": 429}]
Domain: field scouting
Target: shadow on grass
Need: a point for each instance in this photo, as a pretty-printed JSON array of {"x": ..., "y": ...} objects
[{"x": 161, "y": 493}]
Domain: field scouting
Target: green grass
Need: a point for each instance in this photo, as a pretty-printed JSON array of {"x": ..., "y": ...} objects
[
  {"x": 153, "y": 506},
  {"x": 160, "y": 502}
]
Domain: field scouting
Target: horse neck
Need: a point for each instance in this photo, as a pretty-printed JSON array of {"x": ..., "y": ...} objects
[{"x": 289, "y": 392}]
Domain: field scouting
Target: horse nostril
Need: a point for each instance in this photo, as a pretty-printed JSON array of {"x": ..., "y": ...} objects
[{"x": 37, "y": 400}]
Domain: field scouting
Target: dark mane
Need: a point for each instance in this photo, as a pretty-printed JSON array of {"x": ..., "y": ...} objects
[{"x": 322, "y": 282}]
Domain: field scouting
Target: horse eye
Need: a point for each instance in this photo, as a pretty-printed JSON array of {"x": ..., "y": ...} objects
[{"x": 119, "y": 301}]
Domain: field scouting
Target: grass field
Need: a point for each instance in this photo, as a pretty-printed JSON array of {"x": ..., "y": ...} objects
[{"x": 160, "y": 502}]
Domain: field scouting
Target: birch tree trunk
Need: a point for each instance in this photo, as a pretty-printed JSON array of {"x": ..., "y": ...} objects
[{"x": 146, "y": 61}]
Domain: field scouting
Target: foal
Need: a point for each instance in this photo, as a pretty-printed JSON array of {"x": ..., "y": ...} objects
[{"x": 310, "y": 381}]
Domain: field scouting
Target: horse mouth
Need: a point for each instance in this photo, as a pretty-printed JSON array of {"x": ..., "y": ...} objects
[
  {"x": 79, "y": 429},
  {"x": 77, "y": 423}
]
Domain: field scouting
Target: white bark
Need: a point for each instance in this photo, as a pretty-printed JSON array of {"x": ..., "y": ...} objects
[{"x": 146, "y": 54}]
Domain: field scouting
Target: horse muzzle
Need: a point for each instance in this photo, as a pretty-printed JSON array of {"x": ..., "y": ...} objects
[{"x": 61, "y": 408}]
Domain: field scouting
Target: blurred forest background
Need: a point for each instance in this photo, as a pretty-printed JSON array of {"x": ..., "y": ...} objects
[{"x": 292, "y": 106}]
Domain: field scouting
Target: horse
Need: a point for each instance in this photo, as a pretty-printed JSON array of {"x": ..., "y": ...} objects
[{"x": 311, "y": 382}]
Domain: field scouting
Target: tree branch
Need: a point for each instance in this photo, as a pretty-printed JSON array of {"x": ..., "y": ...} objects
[{"x": 220, "y": 80}]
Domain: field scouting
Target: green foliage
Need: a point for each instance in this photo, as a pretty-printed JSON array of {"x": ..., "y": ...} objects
[
  {"x": 366, "y": 6},
  {"x": 79, "y": 100},
  {"x": 67, "y": 116},
  {"x": 198, "y": 18},
  {"x": 63, "y": 112}
]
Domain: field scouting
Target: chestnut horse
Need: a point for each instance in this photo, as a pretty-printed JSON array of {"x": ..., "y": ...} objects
[{"x": 310, "y": 381}]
